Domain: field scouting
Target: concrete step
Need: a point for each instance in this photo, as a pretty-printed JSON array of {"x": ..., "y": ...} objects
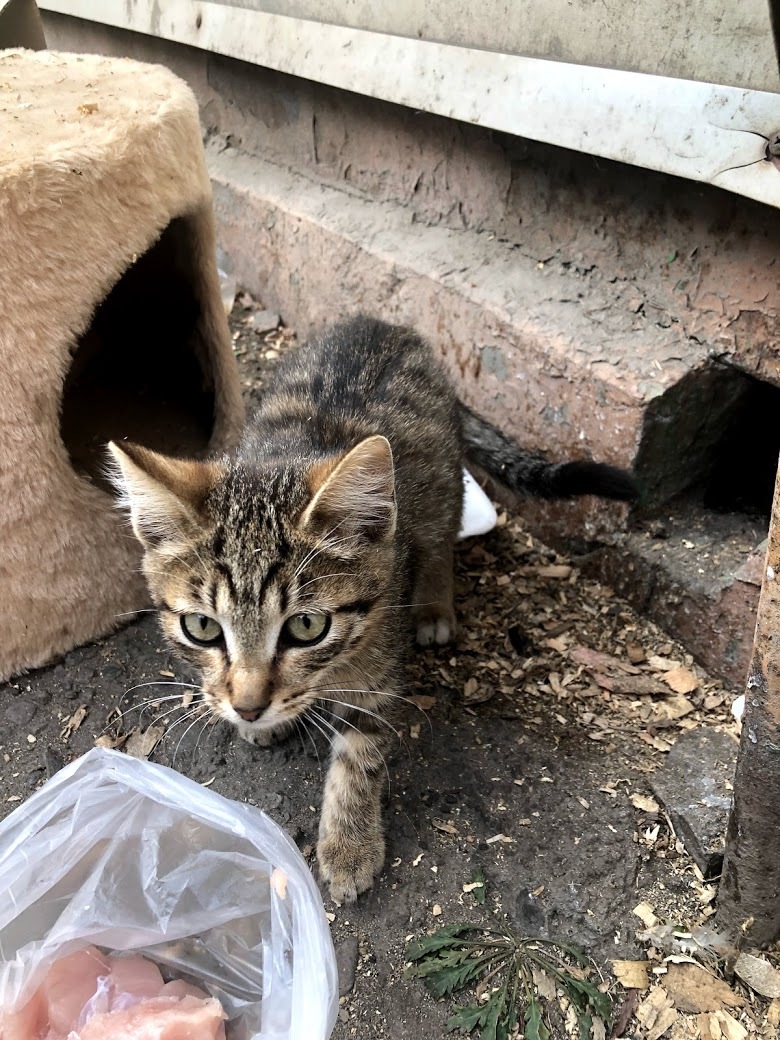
[{"x": 563, "y": 363}]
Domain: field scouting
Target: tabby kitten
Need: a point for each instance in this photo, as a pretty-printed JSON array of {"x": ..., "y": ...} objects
[{"x": 288, "y": 571}]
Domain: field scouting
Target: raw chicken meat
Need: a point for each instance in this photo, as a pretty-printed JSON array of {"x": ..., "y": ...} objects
[
  {"x": 161, "y": 1018},
  {"x": 69, "y": 986},
  {"x": 91, "y": 996}
]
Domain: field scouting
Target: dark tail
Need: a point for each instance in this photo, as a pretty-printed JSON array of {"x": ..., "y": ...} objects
[{"x": 502, "y": 458}]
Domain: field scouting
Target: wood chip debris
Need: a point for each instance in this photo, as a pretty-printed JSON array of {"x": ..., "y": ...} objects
[
  {"x": 645, "y": 803},
  {"x": 630, "y": 685},
  {"x": 73, "y": 722},
  {"x": 720, "y": 1025},
  {"x": 558, "y": 571},
  {"x": 446, "y": 827},
  {"x": 656, "y": 1014},
  {"x": 646, "y": 914},
  {"x": 632, "y": 974},
  {"x": 681, "y": 680},
  {"x": 544, "y": 984},
  {"x": 473, "y": 693},
  {"x": 471, "y": 885},
  {"x": 635, "y": 653}
]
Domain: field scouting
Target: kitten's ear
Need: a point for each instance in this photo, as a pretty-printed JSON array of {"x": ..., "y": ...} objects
[
  {"x": 355, "y": 498},
  {"x": 162, "y": 494}
]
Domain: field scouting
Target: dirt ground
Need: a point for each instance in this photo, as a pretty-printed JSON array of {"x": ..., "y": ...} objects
[{"x": 518, "y": 756}]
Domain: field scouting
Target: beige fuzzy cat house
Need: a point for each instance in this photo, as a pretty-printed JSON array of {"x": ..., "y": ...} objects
[{"x": 111, "y": 326}]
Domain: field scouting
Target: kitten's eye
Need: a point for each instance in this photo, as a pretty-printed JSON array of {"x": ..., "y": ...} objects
[
  {"x": 198, "y": 628},
  {"x": 306, "y": 629}
]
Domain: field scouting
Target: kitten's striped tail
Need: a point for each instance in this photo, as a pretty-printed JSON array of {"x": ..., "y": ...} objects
[{"x": 525, "y": 472}]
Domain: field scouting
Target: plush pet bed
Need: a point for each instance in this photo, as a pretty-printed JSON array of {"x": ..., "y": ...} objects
[{"x": 111, "y": 327}]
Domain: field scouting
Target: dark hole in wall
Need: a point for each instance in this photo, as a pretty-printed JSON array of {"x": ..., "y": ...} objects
[
  {"x": 139, "y": 371},
  {"x": 714, "y": 439},
  {"x": 742, "y": 477}
]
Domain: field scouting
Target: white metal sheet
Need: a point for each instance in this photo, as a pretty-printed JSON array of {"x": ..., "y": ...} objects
[{"x": 700, "y": 131}]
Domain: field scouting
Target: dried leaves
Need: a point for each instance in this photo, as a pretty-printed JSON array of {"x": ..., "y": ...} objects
[
  {"x": 141, "y": 743},
  {"x": 687, "y": 998},
  {"x": 423, "y": 701},
  {"x": 473, "y": 693},
  {"x": 694, "y": 990}
]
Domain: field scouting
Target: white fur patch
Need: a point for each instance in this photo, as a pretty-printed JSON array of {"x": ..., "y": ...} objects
[
  {"x": 430, "y": 632},
  {"x": 155, "y": 512}
]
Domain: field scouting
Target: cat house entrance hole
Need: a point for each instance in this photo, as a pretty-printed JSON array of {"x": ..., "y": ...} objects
[
  {"x": 713, "y": 439},
  {"x": 141, "y": 370}
]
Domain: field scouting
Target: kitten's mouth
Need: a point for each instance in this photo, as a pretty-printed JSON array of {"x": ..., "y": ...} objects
[
  {"x": 267, "y": 719},
  {"x": 259, "y": 722}
]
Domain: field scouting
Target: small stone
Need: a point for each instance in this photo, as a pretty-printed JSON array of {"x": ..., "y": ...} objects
[
  {"x": 692, "y": 787},
  {"x": 635, "y": 653},
  {"x": 346, "y": 961},
  {"x": 264, "y": 321},
  {"x": 759, "y": 974}
]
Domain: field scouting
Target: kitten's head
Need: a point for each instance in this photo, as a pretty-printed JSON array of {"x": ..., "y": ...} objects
[{"x": 270, "y": 579}]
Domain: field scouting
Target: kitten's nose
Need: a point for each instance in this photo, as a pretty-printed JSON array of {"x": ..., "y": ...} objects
[{"x": 249, "y": 714}]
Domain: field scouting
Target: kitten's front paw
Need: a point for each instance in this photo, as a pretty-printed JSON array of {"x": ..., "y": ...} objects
[
  {"x": 258, "y": 737},
  {"x": 348, "y": 867},
  {"x": 435, "y": 627}
]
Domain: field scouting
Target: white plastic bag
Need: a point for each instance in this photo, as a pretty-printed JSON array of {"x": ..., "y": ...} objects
[{"x": 128, "y": 855}]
